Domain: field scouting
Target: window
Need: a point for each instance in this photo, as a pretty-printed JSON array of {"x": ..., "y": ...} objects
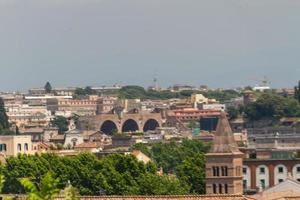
[
  {"x": 280, "y": 170},
  {"x": 298, "y": 179},
  {"x": 244, "y": 183},
  {"x": 263, "y": 183},
  {"x": 298, "y": 169},
  {"x": 217, "y": 171},
  {"x": 262, "y": 170},
  {"x": 214, "y": 188},
  {"x": 226, "y": 170},
  {"x": 222, "y": 170},
  {"x": 214, "y": 171},
  {"x": 25, "y": 147},
  {"x": 220, "y": 189},
  {"x": 19, "y": 147},
  {"x": 4, "y": 147},
  {"x": 226, "y": 188},
  {"x": 280, "y": 180},
  {"x": 244, "y": 170}
]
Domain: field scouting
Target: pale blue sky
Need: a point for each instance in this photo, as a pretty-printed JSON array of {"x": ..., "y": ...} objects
[{"x": 222, "y": 43}]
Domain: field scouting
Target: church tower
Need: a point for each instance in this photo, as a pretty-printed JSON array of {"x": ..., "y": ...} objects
[{"x": 224, "y": 162}]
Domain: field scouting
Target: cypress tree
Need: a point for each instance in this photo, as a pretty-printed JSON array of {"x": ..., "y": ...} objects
[
  {"x": 298, "y": 92},
  {"x": 4, "y": 124}
]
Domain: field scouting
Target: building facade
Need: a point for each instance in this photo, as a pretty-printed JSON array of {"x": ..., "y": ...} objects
[{"x": 224, "y": 162}]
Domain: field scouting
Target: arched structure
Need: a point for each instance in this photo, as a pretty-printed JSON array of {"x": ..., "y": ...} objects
[
  {"x": 130, "y": 126},
  {"x": 124, "y": 122},
  {"x": 150, "y": 125},
  {"x": 108, "y": 127}
]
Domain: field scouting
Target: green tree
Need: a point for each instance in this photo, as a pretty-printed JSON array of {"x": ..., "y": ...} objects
[
  {"x": 232, "y": 112},
  {"x": 47, "y": 189},
  {"x": 61, "y": 123},
  {"x": 48, "y": 87},
  {"x": 71, "y": 193},
  {"x": 273, "y": 106},
  {"x": 192, "y": 172},
  {"x": 4, "y": 124}
]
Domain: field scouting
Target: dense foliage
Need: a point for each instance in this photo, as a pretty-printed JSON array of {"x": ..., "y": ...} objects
[
  {"x": 61, "y": 123},
  {"x": 4, "y": 124},
  {"x": 80, "y": 92},
  {"x": 48, "y": 87},
  {"x": 297, "y": 92},
  {"x": 112, "y": 175},
  {"x": 185, "y": 159},
  {"x": 270, "y": 105},
  {"x": 137, "y": 92}
]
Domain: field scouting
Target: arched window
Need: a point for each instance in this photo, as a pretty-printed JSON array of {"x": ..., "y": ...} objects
[
  {"x": 19, "y": 147},
  {"x": 217, "y": 171},
  {"x": 26, "y": 147},
  {"x": 214, "y": 171},
  {"x": 226, "y": 171},
  {"x": 220, "y": 189},
  {"x": 226, "y": 188},
  {"x": 222, "y": 170},
  {"x": 214, "y": 188}
]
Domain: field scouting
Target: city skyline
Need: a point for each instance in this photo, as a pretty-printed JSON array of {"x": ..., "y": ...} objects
[{"x": 80, "y": 43}]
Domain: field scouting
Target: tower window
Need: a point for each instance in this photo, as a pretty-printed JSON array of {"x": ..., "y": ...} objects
[
  {"x": 222, "y": 170},
  {"x": 214, "y": 171},
  {"x": 214, "y": 188},
  {"x": 220, "y": 189},
  {"x": 218, "y": 171},
  {"x": 226, "y": 188},
  {"x": 226, "y": 170}
]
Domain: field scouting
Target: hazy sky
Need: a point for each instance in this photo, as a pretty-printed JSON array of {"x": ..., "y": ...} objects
[{"x": 222, "y": 43}]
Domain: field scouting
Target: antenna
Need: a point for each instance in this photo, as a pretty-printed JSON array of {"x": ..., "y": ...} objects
[{"x": 155, "y": 85}]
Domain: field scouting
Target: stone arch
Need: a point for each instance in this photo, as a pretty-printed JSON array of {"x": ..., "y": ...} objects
[
  {"x": 130, "y": 126},
  {"x": 108, "y": 127},
  {"x": 150, "y": 125}
]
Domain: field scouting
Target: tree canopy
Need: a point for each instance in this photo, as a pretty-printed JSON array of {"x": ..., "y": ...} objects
[
  {"x": 48, "y": 87},
  {"x": 4, "y": 124},
  {"x": 270, "y": 105},
  {"x": 113, "y": 175},
  {"x": 186, "y": 160},
  {"x": 137, "y": 92},
  {"x": 61, "y": 123},
  {"x": 81, "y": 92}
]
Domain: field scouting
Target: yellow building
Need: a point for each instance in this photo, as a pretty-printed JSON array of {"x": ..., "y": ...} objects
[{"x": 12, "y": 145}]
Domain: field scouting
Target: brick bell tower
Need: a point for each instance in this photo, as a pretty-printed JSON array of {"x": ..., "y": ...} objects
[{"x": 224, "y": 162}]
